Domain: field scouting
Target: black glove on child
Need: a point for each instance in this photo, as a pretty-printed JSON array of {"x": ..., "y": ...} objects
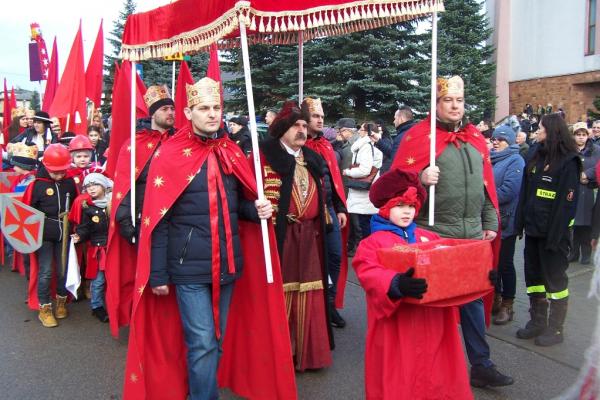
[
  {"x": 404, "y": 285},
  {"x": 493, "y": 277}
]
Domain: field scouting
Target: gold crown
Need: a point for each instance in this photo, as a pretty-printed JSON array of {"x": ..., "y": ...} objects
[
  {"x": 206, "y": 90},
  {"x": 156, "y": 93},
  {"x": 29, "y": 113},
  {"x": 17, "y": 112},
  {"x": 453, "y": 86},
  {"x": 314, "y": 105},
  {"x": 22, "y": 150}
]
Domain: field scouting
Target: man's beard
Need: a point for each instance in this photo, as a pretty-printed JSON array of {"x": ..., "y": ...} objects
[{"x": 164, "y": 124}]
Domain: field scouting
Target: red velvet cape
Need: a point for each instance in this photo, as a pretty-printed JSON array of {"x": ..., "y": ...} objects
[
  {"x": 121, "y": 256},
  {"x": 322, "y": 146},
  {"x": 257, "y": 359},
  {"x": 413, "y": 155}
]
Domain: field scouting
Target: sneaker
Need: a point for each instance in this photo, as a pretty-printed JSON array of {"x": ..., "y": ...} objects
[
  {"x": 100, "y": 313},
  {"x": 488, "y": 376}
]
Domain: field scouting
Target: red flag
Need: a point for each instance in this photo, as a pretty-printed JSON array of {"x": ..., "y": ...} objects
[
  {"x": 52, "y": 82},
  {"x": 184, "y": 77},
  {"x": 6, "y": 111},
  {"x": 69, "y": 99},
  {"x": 13, "y": 98},
  {"x": 121, "y": 112},
  {"x": 214, "y": 70},
  {"x": 93, "y": 74}
]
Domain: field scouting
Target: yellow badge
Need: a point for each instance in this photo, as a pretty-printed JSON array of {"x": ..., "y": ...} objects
[
  {"x": 96, "y": 218},
  {"x": 49, "y": 191}
]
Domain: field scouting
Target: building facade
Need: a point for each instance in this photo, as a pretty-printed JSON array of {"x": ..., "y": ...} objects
[{"x": 547, "y": 53}]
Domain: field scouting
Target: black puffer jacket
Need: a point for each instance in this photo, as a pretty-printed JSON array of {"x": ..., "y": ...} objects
[
  {"x": 181, "y": 242},
  {"x": 243, "y": 139},
  {"x": 49, "y": 196},
  {"x": 94, "y": 225}
]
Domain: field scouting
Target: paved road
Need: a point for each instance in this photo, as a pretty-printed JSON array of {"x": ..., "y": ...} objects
[{"x": 80, "y": 360}]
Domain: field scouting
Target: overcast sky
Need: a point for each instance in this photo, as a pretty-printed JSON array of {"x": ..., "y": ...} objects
[{"x": 58, "y": 18}]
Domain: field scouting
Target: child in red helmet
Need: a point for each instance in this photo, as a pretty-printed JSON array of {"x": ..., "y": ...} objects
[
  {"x": 412, "y": 351},
  {"x": 81, "y": 149},
  {"x": 48, "y": 194}
]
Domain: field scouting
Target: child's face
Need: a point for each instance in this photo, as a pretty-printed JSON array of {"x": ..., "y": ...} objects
[
  {"x": 94, "y": 137},
  {"x": 402, "y": 215},
  {"x": 57, "y": 175},
  {"x": 81, "y": 159},
  {"x": 96, "y": 191}
]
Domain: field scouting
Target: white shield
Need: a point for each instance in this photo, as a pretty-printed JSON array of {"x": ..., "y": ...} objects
[{"x": 21, "y": 225}]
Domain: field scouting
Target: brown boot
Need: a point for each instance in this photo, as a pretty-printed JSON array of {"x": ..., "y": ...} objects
[
  {"x": 497, "y": 303},
  {"x": 506, "y": 313},
  {"x": 46, "y": 317},
  {"x": 61, "y": 307}
]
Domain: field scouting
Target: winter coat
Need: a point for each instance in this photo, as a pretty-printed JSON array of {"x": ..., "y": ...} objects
[
  {"x": 49, "y": 197},
  {"x": 182, "y": 241},
  {"x": 243, "y": 139},
  {"x": 590, "y": 155},
  {"x": 98, "y": 152},
  {"x": 462, "y": 207},
  {"x": 548, "y": 199},
  {"x": 93, "y": 225},
  {"x": 386, "y": 145},
  {"x": 400, "y": 131},
  {"x": 508, "y": 174},
  {"x": 365, "y": 156}
]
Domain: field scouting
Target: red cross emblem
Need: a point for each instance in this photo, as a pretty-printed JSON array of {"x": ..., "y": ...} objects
[{"x": 21, "y": 224}]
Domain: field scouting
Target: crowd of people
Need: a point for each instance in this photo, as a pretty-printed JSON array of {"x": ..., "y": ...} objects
[{"x": 183, "y": 265}]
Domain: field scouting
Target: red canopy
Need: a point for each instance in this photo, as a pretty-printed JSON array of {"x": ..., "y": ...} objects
[{"x": 192, "y": 25}]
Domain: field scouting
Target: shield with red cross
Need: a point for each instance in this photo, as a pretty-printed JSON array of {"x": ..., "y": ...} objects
[{"x": 21, "y": 225}]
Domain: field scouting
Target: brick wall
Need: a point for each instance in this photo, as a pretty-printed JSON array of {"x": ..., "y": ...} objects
[{"x": 573, "y": 93}]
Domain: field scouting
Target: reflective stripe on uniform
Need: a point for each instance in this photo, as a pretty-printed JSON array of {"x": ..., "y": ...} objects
[
  {"x": 546, "y": 194},
  {"x": 558, "y": 295},
  {"x": 536, "y": 289},
  {"x": 572, "y": 222}
]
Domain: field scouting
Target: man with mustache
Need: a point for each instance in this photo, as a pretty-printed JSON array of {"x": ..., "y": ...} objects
[{"x": 293, "y": 179}]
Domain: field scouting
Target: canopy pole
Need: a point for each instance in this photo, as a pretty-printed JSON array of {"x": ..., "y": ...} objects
[
  {"x": 300, "y": 66},
  {"x": 255, "y": 151},
  {"x": 432, "y": 112},
  {"x": 173, "y": 81},
  {"x": 132, "y": 138}
]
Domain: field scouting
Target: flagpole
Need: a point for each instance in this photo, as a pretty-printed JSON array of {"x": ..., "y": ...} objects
[
  {"x": 300, "y": 66},
  {"x": 432, "y": 112},
  {"x": 255, "y": 152},
  {"x": 132, "y": 137},
  {"x": 68, "y": 122},
  {"x": 173, "y": 81}
]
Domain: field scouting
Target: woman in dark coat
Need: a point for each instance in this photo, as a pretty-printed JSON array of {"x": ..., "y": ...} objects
[
  {"x": 508, "y": 166},
  {"x": 547, "y": 204},
  {"x": 582, "y": 228}
]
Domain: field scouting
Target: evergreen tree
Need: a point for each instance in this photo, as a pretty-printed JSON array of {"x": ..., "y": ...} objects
[
  {"x": 463, "y": 31},
  {"x": 595, "y": 114},
  {"x": 363, "y": 75},
  {"x": 35, "y": 101}
]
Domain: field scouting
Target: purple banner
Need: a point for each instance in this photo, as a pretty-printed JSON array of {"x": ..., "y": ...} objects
[{"x": 35, "y": 67}]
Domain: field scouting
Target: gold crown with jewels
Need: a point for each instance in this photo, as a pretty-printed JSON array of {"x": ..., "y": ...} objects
[{"x": 206, "y": 90}]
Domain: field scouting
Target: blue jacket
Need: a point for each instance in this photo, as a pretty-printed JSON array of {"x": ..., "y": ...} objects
[
  {"x": 181, "y": 242},
  {"x": 508, "y": 168},
  {"x": 400, "y": 131}
]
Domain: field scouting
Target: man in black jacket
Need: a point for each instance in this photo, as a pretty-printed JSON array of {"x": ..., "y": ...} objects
[{"x": 403, "y": 121}]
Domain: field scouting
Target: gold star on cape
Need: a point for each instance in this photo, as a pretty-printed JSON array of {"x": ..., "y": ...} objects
[
  {"x": 187, "y": 152},
  {"x": 119, "y": 196},
  {"x": 163, "y": 211},
  {"x": 157, "y": 153},
  {"x": 141, "y": 290},
  {"x": 190, "y": 178},
  {"x": 158, "y": 181},
  {"x": 150, "y": 145},
  {"x": 133, "y": 378},
  {"x": 147, "y": 221},
  {"x": 410, "y": 161},
  {"x": 408, "y": 137}
]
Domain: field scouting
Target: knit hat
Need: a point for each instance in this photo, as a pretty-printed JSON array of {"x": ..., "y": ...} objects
[
  {"x": 96, "y": 178},
  {"x": 329, "y": 133},
  {"x": 394, "y": 187},
  {"x": 243, "y": 121},
  {"x": 347, "y": 123},
  {"x": 287, "y": 117},
  {"x": 157, "y": 96},
  {"x": 506, "y": 133}
]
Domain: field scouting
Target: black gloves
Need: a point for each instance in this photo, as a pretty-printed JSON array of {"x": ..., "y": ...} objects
[
  {"x": 493, "y": 277},
  {"x": 404, "y": 285},
  {"x": 128, "y": 231}
]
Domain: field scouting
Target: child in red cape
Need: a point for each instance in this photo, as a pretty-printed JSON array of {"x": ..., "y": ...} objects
[{"x": 412, "y": 351}]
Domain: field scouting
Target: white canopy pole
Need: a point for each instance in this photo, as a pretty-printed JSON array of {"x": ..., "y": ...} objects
[
  {"x": 132, "y": 154},
  {"x": 432, "y": 112},
  {"x": 255, "y": 152},
  {"x": 300, "y": 66},
  {"x": 173, "y": 81}
]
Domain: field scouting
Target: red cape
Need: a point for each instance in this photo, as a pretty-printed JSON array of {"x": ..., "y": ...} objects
[
  {"x": 413, "y": 155},
  {"x": 322, "y": 146},
  {"x": 121, "y": 256},
  {"x": 257, "y": 360}
]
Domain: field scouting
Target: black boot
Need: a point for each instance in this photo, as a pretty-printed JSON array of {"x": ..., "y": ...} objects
[
  {"x": 335, "y": 318},
  {"x": 538, "y": 310},
  {"x": 488, "y": 376},
  {"x": 100, "y": 313},
  {"x": 553, "y": 334}
]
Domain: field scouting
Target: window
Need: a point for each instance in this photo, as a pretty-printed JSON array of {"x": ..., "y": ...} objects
[{"x": 591, "y": 31}]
